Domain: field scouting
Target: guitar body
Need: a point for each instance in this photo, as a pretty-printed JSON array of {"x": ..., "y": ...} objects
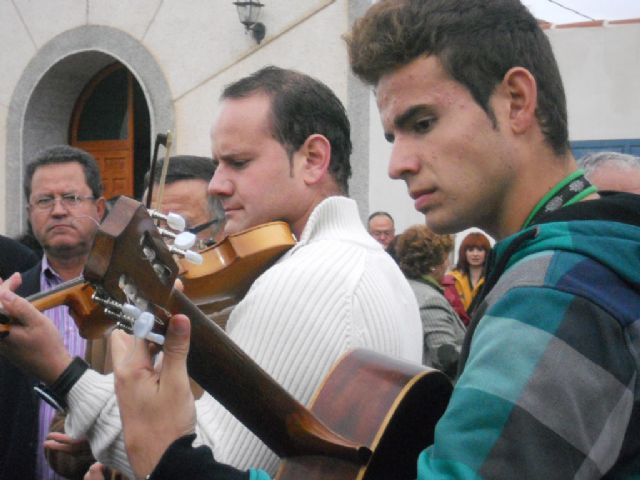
[
  {"x": 230, "y": 267},
  {"x": 369, "y": 420},
  {"x": 385, "y": 404}
]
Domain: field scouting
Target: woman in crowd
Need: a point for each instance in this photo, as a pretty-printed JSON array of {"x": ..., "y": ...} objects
[
  {"x": 469, "y": 271},
  {"x": 423, "y": 258}
]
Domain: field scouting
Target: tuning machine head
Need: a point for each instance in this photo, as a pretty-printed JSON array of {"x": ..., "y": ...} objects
[
  {"x": 143, "y": 323},
  {"x": 130, "y": 318},
  {"x": 174, "y": 221}
]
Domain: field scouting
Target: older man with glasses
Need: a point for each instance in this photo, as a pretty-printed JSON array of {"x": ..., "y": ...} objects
[
  {"x": 63, "y": 190},
  {"x": 382, "y": 228}
]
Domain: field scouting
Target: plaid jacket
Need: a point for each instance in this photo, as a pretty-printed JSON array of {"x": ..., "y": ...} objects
[{"x": 549, "y": 388}]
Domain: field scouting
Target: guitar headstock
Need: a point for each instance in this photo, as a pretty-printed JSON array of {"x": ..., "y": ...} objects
[{"x": 130, "y": 261}]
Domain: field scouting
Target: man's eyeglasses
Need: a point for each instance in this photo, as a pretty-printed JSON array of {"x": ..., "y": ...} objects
[
  {"x": 382, "y": 233},
  {"x": 68, "y": 200}
]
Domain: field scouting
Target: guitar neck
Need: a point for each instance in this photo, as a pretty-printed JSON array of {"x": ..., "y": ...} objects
[
  {"x": 56, "y": 296},
  {"x": 252, "y": 396}
]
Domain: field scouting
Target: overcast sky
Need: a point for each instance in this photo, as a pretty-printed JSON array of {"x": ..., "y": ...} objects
[{"x": 596, "y": 9}]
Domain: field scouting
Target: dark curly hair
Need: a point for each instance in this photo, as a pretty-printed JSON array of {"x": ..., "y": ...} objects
[
  {"x": 477, "y": 42},
  {"x": 418, "y": 249}
]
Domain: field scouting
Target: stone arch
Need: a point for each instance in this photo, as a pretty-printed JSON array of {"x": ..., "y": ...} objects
[{"x": 43, "y": 100}]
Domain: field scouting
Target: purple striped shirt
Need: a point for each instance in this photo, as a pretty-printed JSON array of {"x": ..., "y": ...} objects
[{"x": 75, "y": 345}]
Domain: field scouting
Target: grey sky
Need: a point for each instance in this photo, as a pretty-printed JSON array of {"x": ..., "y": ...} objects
[{"x": 597, "y": 9}]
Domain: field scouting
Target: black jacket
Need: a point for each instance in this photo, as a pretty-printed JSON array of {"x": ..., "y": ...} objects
[
  {"x": 19, "y": 408},
  {"x": 14, "y": 257}
]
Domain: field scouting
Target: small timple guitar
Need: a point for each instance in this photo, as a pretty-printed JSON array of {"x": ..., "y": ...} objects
[{"x": 373, "y": 394}]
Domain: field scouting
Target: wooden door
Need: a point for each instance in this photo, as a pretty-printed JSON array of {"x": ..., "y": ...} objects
[{"x": 103, "y": 125}]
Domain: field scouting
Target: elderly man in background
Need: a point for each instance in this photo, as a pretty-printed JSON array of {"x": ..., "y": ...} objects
[
  {"x": 381, "y": 227},
  {"x": 612, "y": 171}
]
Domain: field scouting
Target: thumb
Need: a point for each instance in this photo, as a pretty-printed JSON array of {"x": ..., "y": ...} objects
[{"x": 176, "y": 346}]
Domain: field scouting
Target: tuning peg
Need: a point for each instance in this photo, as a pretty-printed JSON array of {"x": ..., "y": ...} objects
[
  {"x": 189, "y": 255},
  {"x": 142, "y": 328},
  {"x": 184, "y": 240},
  {"x": 174, "y": 221},
  {"x": 142, "y": 323},
  {"x": 194, "y": 257}
]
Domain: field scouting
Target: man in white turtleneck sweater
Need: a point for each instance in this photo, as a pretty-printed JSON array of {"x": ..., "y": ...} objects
[{"x": 281, "y": 144}]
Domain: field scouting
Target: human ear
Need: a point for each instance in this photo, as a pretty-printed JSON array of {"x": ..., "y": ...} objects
[
  {"x": 101, "y": 207},
  {"x": 316, "y": 152},
  {"x": 522, "y": 94}
]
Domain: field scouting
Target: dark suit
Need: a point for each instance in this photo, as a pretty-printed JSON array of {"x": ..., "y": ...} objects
[
  {"x": 14, "y": 257},
  {"x": 19, "y": 407}
]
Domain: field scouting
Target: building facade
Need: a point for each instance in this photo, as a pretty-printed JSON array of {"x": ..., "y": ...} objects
[{"x": 109, "y": 75}]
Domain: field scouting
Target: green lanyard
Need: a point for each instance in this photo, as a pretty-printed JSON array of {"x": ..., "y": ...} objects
[{"x": 571, "y": 189}]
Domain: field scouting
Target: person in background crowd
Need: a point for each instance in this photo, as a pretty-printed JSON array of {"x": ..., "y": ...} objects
[
  {"x": 423, "y": 257},
  {"x": 185, "y": 193},
  {"x": 612, "y": 171},
  {"x": 63, "y": 190},
  {"x": 382, "y": 228},
  {"x": 448, "y": 284},
  {"x": 469, "y": 271}
]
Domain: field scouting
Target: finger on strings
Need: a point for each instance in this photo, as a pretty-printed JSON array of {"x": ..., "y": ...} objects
[
  {"x": 13, "y": 282},
  {"x": 176, "y": 346},
  {"x": 16, "y": 307}
]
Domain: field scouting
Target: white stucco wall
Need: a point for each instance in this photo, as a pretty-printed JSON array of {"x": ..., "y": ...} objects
[
  {"x": 600, "y": 67},
  {"x": 199, "y": 45},
  {"x": 307, "y": 39}
]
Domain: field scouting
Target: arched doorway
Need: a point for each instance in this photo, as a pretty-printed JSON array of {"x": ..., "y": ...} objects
[
  {"x": 42, "y": 104},
  {"x": 110, "y": 120}
]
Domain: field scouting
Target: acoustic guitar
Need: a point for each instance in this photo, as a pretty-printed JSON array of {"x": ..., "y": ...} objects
[
  {"x": 369, "y": 419},
  {"x": 220, "y": 281},
  {"x": 230, "y": 267}
]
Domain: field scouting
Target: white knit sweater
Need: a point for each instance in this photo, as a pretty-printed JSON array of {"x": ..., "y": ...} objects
[{"x": 334, "y": 291}]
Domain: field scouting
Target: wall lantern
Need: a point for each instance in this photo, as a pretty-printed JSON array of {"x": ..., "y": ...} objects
[{"x": 249, "y": 12}]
